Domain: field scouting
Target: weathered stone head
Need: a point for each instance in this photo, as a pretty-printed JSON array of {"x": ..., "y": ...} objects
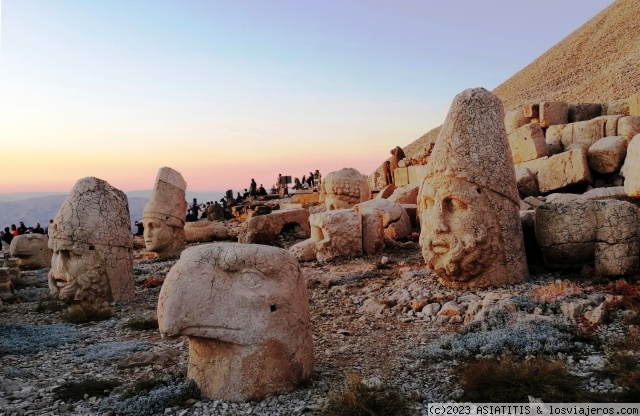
[
  {"x": 32, "y": 251},
  {"x": 164, "y": 215},
  {"x": 245, "y": 310},
  {"x": 343, "y": 189},
  {"x": 92, "y": 246},
  {"x": 468, "y": 201}
]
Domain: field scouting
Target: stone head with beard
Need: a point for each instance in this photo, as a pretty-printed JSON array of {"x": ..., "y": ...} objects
[
  {"x": 468, "y": 202},
  {"x": 92, "y": 246}
]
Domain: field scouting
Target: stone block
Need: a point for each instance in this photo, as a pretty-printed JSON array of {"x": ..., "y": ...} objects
[
  {"x": 514, "y": 119},
  {"x": 526, "y": 182},
  {"x": 616, "y": 107},
  {"x": 583, "y": 111},
  {"x": 527, "y": 143},
  {"x": 564, "y": 169},
  {"x": 305, "y": 198},
  {"x": 553, "y": 112},
  {"x": 631, "y": 168},
  {"x": 407, "y": 194},
  {"x": 401, "y": 177},
  {"x": 553, "y": 138},
  {"x": 416, "y": 173},
  {"x": 531, "y": 110},
  {"x": 607, "y": 154},
  {"x": 634, "y": 105},
  {"x": 628, "y": 127}
]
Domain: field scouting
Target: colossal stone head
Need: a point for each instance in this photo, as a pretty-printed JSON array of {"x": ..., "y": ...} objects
[
  {"x": 343, "y": 189},
  {"x": 92, "y": 246},
  {"x": 468, "y": 201},
  {"x": 245, "y": 310},
  {"x": 164, "y": 215},
  {"x": 32, "y": 251}
]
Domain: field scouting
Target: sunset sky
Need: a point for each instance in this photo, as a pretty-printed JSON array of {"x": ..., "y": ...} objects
[{"x": 226, "y": 91}]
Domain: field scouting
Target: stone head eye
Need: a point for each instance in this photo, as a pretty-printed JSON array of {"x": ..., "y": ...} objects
[
  {"x": 427, "y": 202},
  {"x": 454, "y": 204}
]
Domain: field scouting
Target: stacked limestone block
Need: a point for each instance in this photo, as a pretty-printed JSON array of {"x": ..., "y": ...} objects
[
  {"x": 603, "y": 233},
  {"x": 559, "y": 146}
]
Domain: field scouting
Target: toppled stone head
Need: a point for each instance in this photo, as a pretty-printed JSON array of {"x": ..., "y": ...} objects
[
  {"x": 92, "y": 246},
  {"x": 343, "y": 189},
  {"x": 245, "y": 310},
  {"x": 164, "y": 215},
  {"x": 32, "y": 251},
  {"x": 468, "y": 201}
]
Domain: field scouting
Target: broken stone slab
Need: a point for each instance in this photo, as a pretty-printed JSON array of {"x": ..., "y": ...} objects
[
  {"x": 553, "y": 112},
  {"x": 607, "y": 154},
  {"x": 631, "y": 168},
  {"x": 407, "y": 194},
  {"x": 562, "y": 170},
  {"x": 527, "y": 143},
  {"x": 343, "y": 189},
  {"x": 205, "y": 231},
  {"x": 604, "y": 233},
  {"x": 264, "y": 229},
  {"x": 583, "y": 111}
]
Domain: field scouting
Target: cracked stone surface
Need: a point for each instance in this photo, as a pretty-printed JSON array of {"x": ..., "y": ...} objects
[
  {"x": 343, "y": 189},
  {"x": 468, "y": 203},
  {"x": 334, "y": 234},
  {"x": 607, "y": 154},
  {"x": 245, "y": 310},
  {"x": 263, "y": 229},
  {"x": 382, "y": 219},
  {"x": 604, "y": 233},
  {"x": 92, "y": 245},
  {"x": 165, "y": 214}
]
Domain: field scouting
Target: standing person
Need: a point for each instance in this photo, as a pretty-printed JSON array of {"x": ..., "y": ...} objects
[
  {"x": 46, "y": 230},
  {"x": 311, "y": 182},
  {"x": 7, "y": 236},
  {"x": 253, "y": 188},
  {"x": 14, "y": 230},
  {"x": 22, "y": 229},
  {"x": 194, "y": 209},
  {"x": 317, "y": 177},
  {"x": 37, "y": 229}
]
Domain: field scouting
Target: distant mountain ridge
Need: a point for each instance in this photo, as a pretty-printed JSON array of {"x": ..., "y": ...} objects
[{"x": 41, "y": 208}]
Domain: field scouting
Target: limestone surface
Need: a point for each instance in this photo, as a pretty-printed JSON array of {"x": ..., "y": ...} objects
[
  {"x": 343, "y": 189},
  {"x": 382, "y": 219},
  {"x": 526, "y": 182},
  {"x": 334, "y": 234},
  {"x": 631, "y": 168},
  {"x": 205, "y": 231},
  {"x": 92, "y": 245},
  {"x": 628, "y": 127},
  {"x": 583, "y": 111},
  {"x": 407, "y": 194},
  {"x": 468, "y": 203},
  {"x": 527, "y": 143},
  {"x": 607, "y": 154},
  {"x": 553, "y": 112},
  {"x": 562, "y": 170},
  {"x": 32, "y": 251},
  {"x": 165, "y": 214},
  {"x": 514, "y": 119},
  {"x": 263, "y": 229},
  {"x": 604, "y": 233},
  {"x": 245, "y": 310}
]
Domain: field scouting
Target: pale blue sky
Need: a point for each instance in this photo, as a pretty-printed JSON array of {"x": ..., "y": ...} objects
[{"x": 227, "y": 90}]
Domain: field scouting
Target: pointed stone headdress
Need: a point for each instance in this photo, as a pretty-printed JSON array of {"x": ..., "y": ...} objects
[
  {"x": 472, "y": 144},
  {"x": 167, "y": 200}
]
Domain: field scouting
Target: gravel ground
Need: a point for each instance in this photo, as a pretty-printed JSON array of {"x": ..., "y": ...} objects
[{"x": 363, "y": 323}]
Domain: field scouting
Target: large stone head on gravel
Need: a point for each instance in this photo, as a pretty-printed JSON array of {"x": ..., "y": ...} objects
[
  {"x": 165, "y": 214},
  {"x": 31, "y": 250},
  {"x": 343, "y": 189},
  {"x": 245, "y": 310},
  {"x": 92, "y": 245},
  {"x": 468, "y": 201}
]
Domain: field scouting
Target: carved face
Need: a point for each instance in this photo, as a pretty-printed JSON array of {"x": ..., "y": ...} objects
[
  {"x": 77, "y": 273},
  {"x": 458, "y": 228},
  {"x": 158, "y": 234}
]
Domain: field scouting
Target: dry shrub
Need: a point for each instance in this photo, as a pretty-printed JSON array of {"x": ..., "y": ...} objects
[
  {"x": 142, "y": 324},
  {"x": 509, "y": 380},
  {"x": 554, "y": 291},
  {"x": 75, "y": 390},
  {"x": 622, "y": 288},
  {"x": 588, "y": 331},
  {"x": 82, "y": 313},
  {"x": 153, "y": 282},
  {"x": 361, "y": 400}
]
